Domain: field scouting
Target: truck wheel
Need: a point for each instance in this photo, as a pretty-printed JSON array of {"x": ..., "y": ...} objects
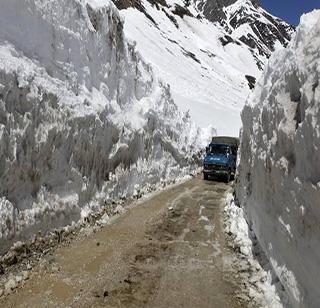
[
  {"x": 228, "y": 177},
  {"x": 205, "y": 177}
]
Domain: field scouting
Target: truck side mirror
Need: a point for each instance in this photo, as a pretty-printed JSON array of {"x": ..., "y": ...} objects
[{"x": 207, "y": 150}]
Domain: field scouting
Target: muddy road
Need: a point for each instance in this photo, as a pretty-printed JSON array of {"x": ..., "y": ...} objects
[{"x": 167, "y": 251}]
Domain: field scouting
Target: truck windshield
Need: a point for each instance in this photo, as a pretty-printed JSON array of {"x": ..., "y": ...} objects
[{"x": 218, "y": 149}]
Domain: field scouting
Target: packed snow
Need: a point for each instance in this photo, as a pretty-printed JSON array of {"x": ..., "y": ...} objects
[
  {"x": 83, "y": 117},
  {"x": 279, "y": 173}
]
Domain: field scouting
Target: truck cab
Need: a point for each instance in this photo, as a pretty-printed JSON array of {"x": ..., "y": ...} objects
[{"x": 221, "y": 157}]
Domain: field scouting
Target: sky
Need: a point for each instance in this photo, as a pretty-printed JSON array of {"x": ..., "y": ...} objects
[{"x": 290, "y": 10}]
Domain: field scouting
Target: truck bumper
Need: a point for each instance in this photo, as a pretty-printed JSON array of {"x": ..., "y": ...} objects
[{"x": 213, "y": 172}]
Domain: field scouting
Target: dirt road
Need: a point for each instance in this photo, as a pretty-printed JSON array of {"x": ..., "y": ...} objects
[{"x": 168, "y": 251}]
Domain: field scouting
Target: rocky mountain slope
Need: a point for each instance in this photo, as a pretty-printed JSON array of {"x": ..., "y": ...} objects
[
  {"x": 83, "y": 118},
  {"x": 279, "y": 174},
  {"x": 209, "y": 52}
]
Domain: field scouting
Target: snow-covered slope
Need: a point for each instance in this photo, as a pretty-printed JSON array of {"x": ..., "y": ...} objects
[
  {"x": 279, "y": 174},
  {"x": 83, "y": 118},
  {"x": 210, "y": 63}
]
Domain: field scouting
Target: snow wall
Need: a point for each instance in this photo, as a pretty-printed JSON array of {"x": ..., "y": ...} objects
[
  {"x": 83, "y": 119},
  {"x": 279, "y": 172}
]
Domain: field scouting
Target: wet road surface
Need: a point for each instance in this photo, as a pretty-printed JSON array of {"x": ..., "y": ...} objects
[{"x": 168, "y": 251}]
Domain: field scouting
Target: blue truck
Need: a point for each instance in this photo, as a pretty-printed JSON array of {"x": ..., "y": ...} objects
[{"x": 221, "y": 158}]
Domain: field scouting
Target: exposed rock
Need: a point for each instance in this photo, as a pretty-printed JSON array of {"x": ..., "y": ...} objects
[
  {"x": 232, "y": 14},
  {"x": 268, "y": 29},
  {"x": 181, "y": 11},
  {"x": 213, "y": 10},
  {"x": 124, "y": 4},
  {"x": 251, "y": 81},
  {"x": 225, "y": 40}
]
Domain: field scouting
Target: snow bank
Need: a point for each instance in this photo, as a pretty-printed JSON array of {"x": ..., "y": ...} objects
[
  {"x": 83, "y": 118},
  {"x": 262, "y": 285},
  {"x": 279, "y": 173}
]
